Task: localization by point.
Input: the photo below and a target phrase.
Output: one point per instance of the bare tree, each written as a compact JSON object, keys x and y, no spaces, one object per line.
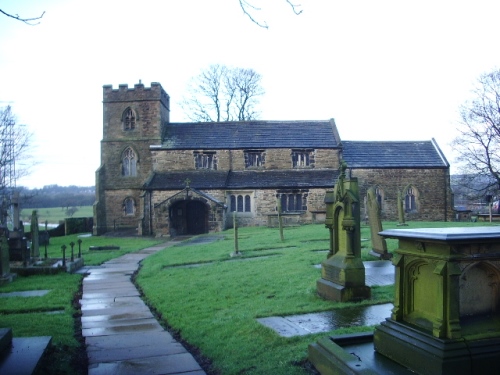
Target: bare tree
{"x":478,"y":142}
{"x":249,"y":9}
{"x":14,"y":146}
{"x":28,"y":21}
{"x":220,"y":93}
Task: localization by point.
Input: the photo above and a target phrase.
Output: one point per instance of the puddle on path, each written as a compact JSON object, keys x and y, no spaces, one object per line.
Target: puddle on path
{"x":306,"y":324}
{"x":27,"y":293}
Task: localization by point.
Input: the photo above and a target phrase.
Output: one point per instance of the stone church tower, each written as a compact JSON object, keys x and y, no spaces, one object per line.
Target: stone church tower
{"x":133,"y":119}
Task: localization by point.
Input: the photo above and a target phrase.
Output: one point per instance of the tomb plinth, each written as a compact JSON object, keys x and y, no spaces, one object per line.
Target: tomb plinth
{"x":343,"y":272}
{"x":446,"y":315}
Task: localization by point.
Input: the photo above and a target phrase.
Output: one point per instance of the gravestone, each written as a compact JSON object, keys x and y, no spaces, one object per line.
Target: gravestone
{"x":379,"y":245}
{"x":5,"y":275}
{"x":401,"y":211}
{"x":35,"y":247}
{"x":343,"y":272}
{"x":18,"y":244}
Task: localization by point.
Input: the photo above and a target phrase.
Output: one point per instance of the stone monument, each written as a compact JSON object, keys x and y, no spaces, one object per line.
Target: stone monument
{"x":379,"y":245}
{"x":343,"y":272}
{"x":446,"y":315}
{"x":35,"y":240}
{"x":5,"y":275}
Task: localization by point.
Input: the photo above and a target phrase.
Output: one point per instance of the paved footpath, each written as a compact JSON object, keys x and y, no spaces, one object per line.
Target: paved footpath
{"x":121,"y":334}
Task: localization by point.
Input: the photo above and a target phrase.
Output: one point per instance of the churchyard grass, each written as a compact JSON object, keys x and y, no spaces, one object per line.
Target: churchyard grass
{"x":96,"y":257}
{"x":49,"y":315}
{"x":214,"y":300}
{"x":54,"y":313}
{"x":213,"y":306}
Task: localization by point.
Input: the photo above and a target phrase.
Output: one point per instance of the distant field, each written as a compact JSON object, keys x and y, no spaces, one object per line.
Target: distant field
{"x":54,"y":215}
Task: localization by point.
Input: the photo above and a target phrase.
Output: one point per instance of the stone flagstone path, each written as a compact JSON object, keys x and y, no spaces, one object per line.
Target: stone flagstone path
{"x":121,"y":333}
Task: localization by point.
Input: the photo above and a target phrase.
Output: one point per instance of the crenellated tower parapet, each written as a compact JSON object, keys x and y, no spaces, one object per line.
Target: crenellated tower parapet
{"x":137,"y":93}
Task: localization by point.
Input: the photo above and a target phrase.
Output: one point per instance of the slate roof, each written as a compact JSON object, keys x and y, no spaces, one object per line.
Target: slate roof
{"x":393,"y":154}
{"x":250,"y":134}
{"x":273,"y":179}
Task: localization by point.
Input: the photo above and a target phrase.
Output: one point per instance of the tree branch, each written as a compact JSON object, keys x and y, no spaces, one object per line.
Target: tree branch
{"x":27,"y":21}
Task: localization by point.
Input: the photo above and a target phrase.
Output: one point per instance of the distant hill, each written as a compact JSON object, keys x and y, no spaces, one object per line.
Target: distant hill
{"x":57,"y":196}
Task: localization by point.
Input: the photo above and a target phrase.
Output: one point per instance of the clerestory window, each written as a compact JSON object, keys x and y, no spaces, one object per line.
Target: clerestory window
{"x":302,"y":158}
{"x":205,"y":160}
{"x":129,"y":163}
{"x":254,"y":158}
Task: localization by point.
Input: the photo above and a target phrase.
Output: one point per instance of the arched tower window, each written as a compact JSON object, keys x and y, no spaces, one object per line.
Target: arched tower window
{"x":129,"y":163}
{"x":129,"y":206}
{"x":129,"y":119}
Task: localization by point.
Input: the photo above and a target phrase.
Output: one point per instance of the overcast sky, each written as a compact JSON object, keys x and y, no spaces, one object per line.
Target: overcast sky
{"x":385,"y":70}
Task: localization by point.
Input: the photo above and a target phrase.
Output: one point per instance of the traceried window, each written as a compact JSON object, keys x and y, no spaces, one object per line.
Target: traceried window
{"x":129,"y":206}
{"x":302,"y":158}
{"x":240,"y":203}
{"x":129,"y":119}
{"x":293,"y":202}
{"x":411,"y":198}
{"x":129,"y":163}
{"x":205,"y":160}
{"x":254,"y":158}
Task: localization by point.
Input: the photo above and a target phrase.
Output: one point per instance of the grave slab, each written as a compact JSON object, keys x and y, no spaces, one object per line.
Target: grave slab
{"x":24,"y":355}
{"x":27,"y":293}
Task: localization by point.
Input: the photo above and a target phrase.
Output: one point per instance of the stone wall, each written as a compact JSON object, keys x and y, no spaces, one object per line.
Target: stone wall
{"x":181,"y":160}
{"x":434,"y":198}
{"x":264,"y":205}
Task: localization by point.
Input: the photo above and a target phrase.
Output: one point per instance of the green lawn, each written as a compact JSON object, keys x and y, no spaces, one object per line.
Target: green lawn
{"x":54,"y":313}
{"x":213,"y":306}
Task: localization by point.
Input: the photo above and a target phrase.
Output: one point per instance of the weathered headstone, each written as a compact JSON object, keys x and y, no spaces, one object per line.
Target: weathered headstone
{"x":35,"y":247}
{"x":5,"y":275}
{"x":18,"y":245}
{"x":343,"y":273}
{"x":401,"y":211}
{"x":379,"y":245}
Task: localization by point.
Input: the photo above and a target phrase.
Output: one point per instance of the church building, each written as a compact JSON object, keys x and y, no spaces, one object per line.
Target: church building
{"x":166,"y":179}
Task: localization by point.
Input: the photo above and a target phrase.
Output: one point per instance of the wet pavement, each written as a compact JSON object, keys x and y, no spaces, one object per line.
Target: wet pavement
{"x":121,"y":334}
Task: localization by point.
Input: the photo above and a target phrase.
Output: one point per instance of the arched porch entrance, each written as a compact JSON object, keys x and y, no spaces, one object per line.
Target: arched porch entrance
{"x":188,"y":217}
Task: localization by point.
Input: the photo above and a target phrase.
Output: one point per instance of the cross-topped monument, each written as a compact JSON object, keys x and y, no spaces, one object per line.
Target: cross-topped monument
{"x":343,"y":273}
